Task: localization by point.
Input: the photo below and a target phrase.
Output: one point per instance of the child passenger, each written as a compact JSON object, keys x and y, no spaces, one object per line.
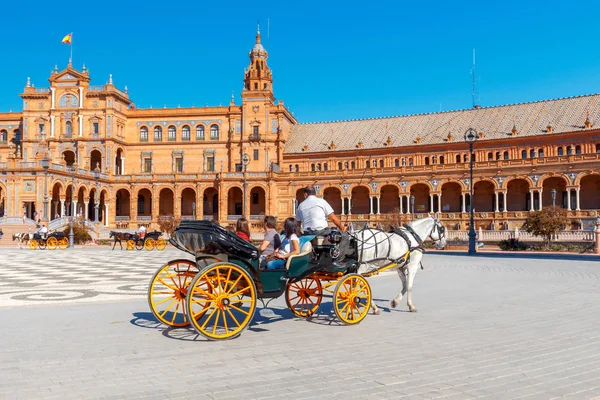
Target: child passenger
{"x":289,"y":246}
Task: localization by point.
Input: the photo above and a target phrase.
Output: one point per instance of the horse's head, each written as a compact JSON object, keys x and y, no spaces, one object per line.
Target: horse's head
{"x":438,"y":233}
{"x":112,"y":234}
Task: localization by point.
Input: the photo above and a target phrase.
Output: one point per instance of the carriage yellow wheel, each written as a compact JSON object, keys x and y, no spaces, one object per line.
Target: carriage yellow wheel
{"x":352,"y":299}
{"x":168,"y":290}
{"x":33,"y":244}
{"x":303,"y":297}
{"x":63,"y":243}
{"x":221,"y":301}
{"x":161,"y":244}
{"x":52,"y":243}
{"x":130,"y":245}
{"x":149,"y":244}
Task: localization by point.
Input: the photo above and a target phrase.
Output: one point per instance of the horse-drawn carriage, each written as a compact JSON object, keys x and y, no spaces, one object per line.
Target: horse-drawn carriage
{"x":50,"y":241}
{"x":149,"y":241}
{"x":217,"y":294}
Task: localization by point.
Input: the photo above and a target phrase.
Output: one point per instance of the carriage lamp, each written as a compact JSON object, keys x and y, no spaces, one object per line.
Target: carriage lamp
{"x":96,"y":205}
{"x":45,"y":163}
{"x":470,"y":137}
{"x":553,"y":192}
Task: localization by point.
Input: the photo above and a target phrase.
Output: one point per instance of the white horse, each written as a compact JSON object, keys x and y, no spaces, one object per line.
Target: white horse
{"x":22,"y":239}
{"x":374,"y":248}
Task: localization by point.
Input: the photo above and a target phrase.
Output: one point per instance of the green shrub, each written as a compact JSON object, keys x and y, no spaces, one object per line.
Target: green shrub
{"x":80,"y":232}
{"x":512,"y":245}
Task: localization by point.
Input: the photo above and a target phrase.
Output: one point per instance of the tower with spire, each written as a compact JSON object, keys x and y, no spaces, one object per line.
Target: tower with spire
{"x":258,"y":79}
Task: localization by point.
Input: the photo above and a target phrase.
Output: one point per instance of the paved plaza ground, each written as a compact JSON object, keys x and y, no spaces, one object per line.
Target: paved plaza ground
{"x":76,"y":325}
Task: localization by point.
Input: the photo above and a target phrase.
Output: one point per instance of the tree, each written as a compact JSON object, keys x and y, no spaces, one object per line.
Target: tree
{"x":80,"y":231}
{"x":393,"y":219}
{"x":547,"y":222}
{"x":168,"y":223}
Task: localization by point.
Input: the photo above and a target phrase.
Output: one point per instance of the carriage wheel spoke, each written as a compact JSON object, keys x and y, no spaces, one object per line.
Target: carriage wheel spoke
{"x":239,"y":292}
{"x":234,"y":284}
{"x":175,"y":313}
{"x":167,"y":285}
{"x":233,"y":317}
{"x":209,"y":317}
{"x":216,"y":321}
{"x":239,"y":309}
{"x":168,"y":308}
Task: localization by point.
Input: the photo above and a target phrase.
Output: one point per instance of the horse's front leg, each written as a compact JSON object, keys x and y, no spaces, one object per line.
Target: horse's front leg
{"x":413,"y":267}
{"x":402,"y":274}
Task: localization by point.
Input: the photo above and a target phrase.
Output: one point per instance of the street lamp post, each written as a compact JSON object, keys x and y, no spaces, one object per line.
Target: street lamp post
{"x":96,"y":205}
{"x":471,"y":137}
{"x":412,"y":207}
{"x":553,"y":192}
{"x":73,"y":211}
{"x":45,"y":163}
{"x":245,"y":162}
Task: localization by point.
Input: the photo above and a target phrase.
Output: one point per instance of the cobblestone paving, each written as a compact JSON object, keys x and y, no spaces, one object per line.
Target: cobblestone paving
{"x":493,"y":328}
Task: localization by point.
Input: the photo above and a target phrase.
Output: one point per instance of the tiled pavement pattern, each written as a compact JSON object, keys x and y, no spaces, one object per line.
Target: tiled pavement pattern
{"x":493,"y":328}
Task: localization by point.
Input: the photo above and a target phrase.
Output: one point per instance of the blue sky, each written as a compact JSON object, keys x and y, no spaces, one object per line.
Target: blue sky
{"x":331,"y":60}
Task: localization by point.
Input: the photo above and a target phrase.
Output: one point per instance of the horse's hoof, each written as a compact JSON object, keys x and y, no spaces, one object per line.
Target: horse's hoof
{"x":412,"y":309}
{"x":393,"y":304}
{"x":377,"y":312}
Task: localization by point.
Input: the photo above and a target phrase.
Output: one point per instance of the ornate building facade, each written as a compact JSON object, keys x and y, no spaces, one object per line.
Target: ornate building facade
{"x":126,"y":167}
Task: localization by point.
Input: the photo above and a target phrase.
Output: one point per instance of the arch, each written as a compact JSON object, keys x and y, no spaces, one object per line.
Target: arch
{"x":360,"y":200}
{"x":491,"y":181}
{"x":426,"y":183}
{"x":258,"y":201}
{"x":235,"y":205}
{"x":2,"y":201}
{"x":92,"y":205}
{"x":560,"y":151}
{"x":384,"y":184}
{"x":333,"y":195}
{"x":158,"y":133}
{"x":144,"y":202}
{"x":517,"y":194}
{"x":353,"y":165}
{"x":3,"y":136}
{"x":389,"y":200}
{"x":457,"y":159}
{"x":505,"y":155}
{"x":68,"y":101}
{"x":185,"y":133}
{"x":578,"y":149}
{"x":188,"y":202}
{"x":540,"y":153}
{"x":597,"y":147}
{"x":339,"y":166}
{"x":558,"y":183}
{"x":210,"y":203}
{"x":166,"y":202}
{"x":123,"y":203}
{"x":144,"y":134}
{"x":590,"y":192}
{"x":56,"y":209}
{"x":421,"y":192}
{"x":214,"y":132}
{"x":95,"y":160}
{"x":484,"y":198}
{"x":426,"y":160}
{"x":69,"y":128}
{"x":451,"y":197}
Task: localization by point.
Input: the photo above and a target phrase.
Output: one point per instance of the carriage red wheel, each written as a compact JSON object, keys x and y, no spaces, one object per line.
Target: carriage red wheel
{"x":303,"y":297}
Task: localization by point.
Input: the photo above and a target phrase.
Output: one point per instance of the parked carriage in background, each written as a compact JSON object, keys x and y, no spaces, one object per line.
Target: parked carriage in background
{"x":218,"y":292}
{"x":150,"y":241}
{"x":50,"y":241}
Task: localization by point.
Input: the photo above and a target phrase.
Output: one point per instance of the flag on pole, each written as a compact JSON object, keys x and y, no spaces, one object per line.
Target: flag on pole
{"x":67,"y":39}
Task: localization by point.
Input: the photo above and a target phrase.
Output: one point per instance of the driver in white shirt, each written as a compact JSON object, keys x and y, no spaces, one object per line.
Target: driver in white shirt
{"x":313,"y":212}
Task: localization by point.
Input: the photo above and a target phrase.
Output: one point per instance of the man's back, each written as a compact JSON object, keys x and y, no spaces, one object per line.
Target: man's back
{"x":313,"y":213}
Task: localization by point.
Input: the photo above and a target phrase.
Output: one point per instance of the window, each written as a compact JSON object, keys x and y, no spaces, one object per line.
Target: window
{"x":140,"y":204}
{"x":368,"y":164}
{"x":396,"y":162}
{"x":148,"y":164}
{"x":255,"y":130}
{"x":96,"y":128}
{"x":255,"y":155}
{"x":441,"y":159}
{"x":411,"y":162}
{"x":255,"y":86}
{"x":380,"y":163}
{"x":210,"y":164}
{"x":3,"y":136}
{"x":561,"y":152}
{"x":597,"y":147}
{"x":498,"y":156}
{"x":214,"y":132}
{"x":254,"y":198}
{"x":577,"y":149}
{"x":297,"y":168}
{"x":312,"y":167}
{"x":200,"y":132}
{"x":426,"y":160}
{"x":506,"y":155}
{"x":143,"y":134}
{"x":179,"y":164}
{"x":185,"y":133}
{"x":172,"y":133}
{"x":41,"y":126}
{"x":325,"y":167}
{"x":541,"y":153}
{"x":158,"y":134}
{"x":238,"y":167}
{"x":458,"y":158}
{"x":340,"y":166}
{"x":69,"y":128}
{"x":569,"y":150}
{"x":346,"y":165}
{"x":524,"y":154}
{"x":68,"y":100}
{"x":490,"y":157}
{"x":353,"y":165}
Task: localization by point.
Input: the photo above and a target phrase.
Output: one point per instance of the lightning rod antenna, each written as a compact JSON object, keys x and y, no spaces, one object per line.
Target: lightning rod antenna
{"x":473,"y":79}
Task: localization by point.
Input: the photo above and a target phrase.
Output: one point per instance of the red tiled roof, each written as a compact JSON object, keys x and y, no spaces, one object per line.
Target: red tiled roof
{"x":530,"y":119}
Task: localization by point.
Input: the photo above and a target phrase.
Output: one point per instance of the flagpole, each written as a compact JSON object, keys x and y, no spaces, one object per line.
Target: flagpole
{"x":71,"y":46}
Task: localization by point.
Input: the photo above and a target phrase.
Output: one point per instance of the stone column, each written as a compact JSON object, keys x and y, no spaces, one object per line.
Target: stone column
{"x":530,"y":199}
{"x":439,"y":196}
{"x":371,"y":205}
{"x":74,"y":208}
{"x":343,"y":206}
{"x":568,"y":199}
{"x":80,"y":97}
{"x":540,"y":198}
{"x":597,"y":237}
{"x":464,"y":202}
{"x":497,"y":205}
{"x":400,"y":208}
{"x":53,"y":101}
{"x":80,"y":118}
{"x":52,"y":126}
{"x":430,"y":203}
{"x":378,"y":204}
{"x":504,"y":206}
{"x":62,"y":207}
{"x":86,"y":203}
{"x":577,"y":199}
{"x":105,"y":214}
{"x":122,"y":165}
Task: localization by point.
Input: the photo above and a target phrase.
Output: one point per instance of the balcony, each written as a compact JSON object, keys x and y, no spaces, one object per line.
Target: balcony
{"x":254,"y":138}
{"x":121,"y":218}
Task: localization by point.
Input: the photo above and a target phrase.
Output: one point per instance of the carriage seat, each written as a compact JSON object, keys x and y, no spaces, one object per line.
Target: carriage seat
{"x":294,"y":264}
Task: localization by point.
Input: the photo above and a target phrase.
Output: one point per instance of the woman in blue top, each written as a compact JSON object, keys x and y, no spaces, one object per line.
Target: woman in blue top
{"x":289,"y":246}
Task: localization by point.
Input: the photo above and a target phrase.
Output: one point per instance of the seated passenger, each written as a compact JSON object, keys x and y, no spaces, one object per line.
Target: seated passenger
{"x":289,"y":246}
{"x":243,"y":229}
{"x":141,"y":231}
{"x":271,"y":241}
